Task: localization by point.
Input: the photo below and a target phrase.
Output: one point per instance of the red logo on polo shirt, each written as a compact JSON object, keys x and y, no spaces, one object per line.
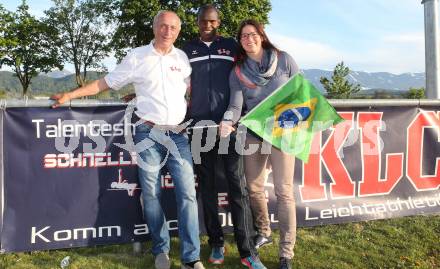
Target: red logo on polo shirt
{"x":224,"y":51}
{"x":175,"y":68}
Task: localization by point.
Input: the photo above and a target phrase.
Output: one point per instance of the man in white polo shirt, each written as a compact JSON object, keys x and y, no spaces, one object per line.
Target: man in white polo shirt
{"x":160,"y":75}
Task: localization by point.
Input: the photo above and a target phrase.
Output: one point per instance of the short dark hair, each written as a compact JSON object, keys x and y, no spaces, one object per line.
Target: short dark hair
{"x":205,"y":8}
{"x":265,"y":43}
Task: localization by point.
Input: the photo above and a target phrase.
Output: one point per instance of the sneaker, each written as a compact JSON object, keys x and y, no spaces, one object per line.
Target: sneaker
{"x":197,"y":265}
{"x":217,"y":255}
{"x":162,"y":261}
{"x":253,"y":262}
{"x":285,"y":263}
{"x":261,"y":240}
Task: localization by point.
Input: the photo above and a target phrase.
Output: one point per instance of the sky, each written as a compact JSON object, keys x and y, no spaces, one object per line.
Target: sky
{"x":368,"y":35}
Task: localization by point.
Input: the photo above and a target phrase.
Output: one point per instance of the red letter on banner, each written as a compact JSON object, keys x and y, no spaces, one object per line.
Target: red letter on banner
{"x":372,"y":184}
{"x":342,"y":186}
{"x":427,"y":119}
{"x":312,"y":189}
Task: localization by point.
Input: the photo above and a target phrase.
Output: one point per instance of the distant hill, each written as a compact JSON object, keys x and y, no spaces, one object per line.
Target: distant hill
{"x":63,"y":80}
{"x":377,"y":80}
{"x":57,"y":74}
{"x":43,"y":83}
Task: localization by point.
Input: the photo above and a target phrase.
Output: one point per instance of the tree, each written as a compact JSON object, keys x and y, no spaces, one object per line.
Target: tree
{"x":382,"y":94}
{"x":339,"y":87}
{"x":415,"y":93}
{"x":82,"y":33}
{"x":5,"y":22}
{"x":135,"y":19}
{"x":25,"y":46}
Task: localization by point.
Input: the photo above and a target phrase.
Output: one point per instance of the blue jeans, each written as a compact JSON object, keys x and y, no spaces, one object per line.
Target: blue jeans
{"x":157,"y":148}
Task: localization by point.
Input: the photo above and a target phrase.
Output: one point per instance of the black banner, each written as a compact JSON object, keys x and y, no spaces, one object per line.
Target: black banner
{"x":55,"y":199}
{"x":379,"y":163}
{"x":70,"y":176}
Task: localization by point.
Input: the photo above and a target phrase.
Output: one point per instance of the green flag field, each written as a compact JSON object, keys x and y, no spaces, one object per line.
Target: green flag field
{"x":290,"y":115}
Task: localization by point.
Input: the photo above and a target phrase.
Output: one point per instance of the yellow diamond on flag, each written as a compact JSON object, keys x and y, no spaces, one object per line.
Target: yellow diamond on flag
{"x":293,"y":117}
{"x":289,"y":116}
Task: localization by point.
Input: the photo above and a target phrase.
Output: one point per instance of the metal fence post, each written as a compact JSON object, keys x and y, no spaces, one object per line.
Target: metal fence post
{"x":137,"y":248}
{"x":431,"y":49}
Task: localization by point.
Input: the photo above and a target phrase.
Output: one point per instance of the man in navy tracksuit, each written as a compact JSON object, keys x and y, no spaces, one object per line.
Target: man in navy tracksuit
{"x":212,"y":57}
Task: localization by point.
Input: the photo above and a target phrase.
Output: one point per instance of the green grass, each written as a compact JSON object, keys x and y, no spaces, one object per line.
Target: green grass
{"x":411,"y":242}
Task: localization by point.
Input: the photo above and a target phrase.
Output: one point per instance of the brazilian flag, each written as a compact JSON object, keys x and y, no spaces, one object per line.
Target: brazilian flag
{"x":290,"y":115}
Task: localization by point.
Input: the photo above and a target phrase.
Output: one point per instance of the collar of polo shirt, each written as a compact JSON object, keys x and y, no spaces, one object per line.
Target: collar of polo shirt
{"x":172,"y":51}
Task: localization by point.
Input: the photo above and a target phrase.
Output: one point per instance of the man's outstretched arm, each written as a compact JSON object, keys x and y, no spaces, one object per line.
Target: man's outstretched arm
{"x":92,"y":88}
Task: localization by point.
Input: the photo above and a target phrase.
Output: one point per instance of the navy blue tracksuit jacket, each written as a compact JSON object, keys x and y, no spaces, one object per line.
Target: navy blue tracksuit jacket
{"x":210,"y":94}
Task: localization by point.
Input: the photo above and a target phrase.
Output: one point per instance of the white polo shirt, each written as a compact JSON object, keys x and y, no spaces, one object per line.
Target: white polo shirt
{"x":160,"y":82}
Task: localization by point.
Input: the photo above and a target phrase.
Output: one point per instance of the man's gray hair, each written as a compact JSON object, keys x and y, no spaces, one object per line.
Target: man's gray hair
{"x":162,"y":12}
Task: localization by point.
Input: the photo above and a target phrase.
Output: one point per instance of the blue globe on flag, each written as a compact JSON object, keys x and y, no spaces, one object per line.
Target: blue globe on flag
{"x":290,"y":118}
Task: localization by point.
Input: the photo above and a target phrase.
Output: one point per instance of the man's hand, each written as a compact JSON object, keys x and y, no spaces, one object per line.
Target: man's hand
{"x":92,"y":88}
{"x":128,"y":97}
{"x":226,"y":128}
{"x":60,"y":98}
